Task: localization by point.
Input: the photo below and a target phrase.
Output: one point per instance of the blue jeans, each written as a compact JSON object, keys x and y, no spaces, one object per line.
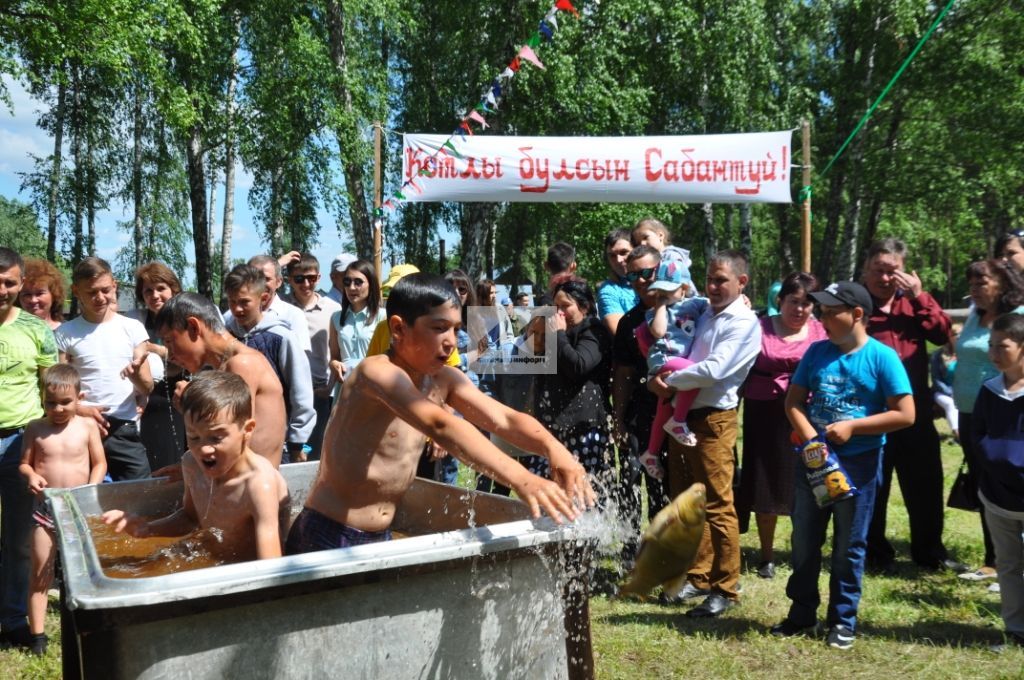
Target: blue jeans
{"x":15,"y":531}
{"x":852,"y":517}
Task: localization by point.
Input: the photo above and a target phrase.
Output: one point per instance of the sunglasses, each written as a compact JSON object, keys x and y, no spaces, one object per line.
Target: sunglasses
{"x":304,"y":278}
{"x":647,"y":273}
{"x":358,"y":283}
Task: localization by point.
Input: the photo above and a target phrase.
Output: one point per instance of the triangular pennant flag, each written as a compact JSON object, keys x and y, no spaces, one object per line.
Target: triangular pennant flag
{"x":507,"y":73}
{"x":566,"y":6}
{"x":465,"y":126}
{"x":534,"y":41}
{"x":550,"y":18}
{"x":528,"y":54}
{"x":473,"y":115}
{"x":378,"y":212}
{"x":491,"y":100}
{"x":546,"y":31}
{"x":387,"y":204}
{"x":460,"y":132}
{"x":451,"y":146}
{"x":415,"y":186}
{"x":515,"y":65}
{"x":496,"y":88}
{"x":481,"y":107}
{"x":424,"y":171}
{"x":399,"y":195}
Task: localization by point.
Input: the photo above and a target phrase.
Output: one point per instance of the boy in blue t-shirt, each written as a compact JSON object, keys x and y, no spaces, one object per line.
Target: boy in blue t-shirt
{"x":852,"y":389}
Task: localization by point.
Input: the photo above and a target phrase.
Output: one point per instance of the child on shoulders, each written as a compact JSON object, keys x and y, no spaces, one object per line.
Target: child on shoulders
{"x":230,"y":491}
{"x":61,"y":449}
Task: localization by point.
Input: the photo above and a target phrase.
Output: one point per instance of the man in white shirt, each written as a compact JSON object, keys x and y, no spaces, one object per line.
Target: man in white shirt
{"x":727,"y":340}
{"x":109,"y":351}
{"x":303,"y":275}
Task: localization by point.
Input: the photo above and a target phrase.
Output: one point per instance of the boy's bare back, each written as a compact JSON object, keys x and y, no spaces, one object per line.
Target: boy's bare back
{"x":267,"y":401}
{"x":255,"y":504}
{"x":60,"y":453}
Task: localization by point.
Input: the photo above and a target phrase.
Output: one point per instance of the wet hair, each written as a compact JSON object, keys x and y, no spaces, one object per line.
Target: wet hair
{"x":1011,"y":283}
{"x":736,"y":260}
{"x":561,"y":257}
{"x":651,"y":223}
{"x":416,"y":294}
{"x":245,"y":276}
{"x":457,"y":277}
{"x":643,"y":251}
{"x":10,"y":258}
{"x":522,"y":294}
{"x":1011,"y":325}
{"x":176,"y":312}
{"x":211,"y":392}
{"x":798,"y":282}
{"x":614,"y":236}
{"x":305,"y":263}
{"x":89,"y":269}
{"x":43,"y":273}
{"x":365,"y":268}
{"x":1005,"y":239}
{"x":155,"y":272}
{"x":887,"y":246}
{"x":61,"y":377}
{"x":577,"y":289}
{"x":259,"y":260}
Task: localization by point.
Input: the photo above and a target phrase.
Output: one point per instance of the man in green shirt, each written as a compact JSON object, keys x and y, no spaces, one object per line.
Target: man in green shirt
{"x":27,"y":347}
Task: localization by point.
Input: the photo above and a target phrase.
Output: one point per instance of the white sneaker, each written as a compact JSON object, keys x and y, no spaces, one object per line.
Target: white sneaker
{"x":680,"y":432}
{"x":994,"y":588}
{"x":979,"y":574}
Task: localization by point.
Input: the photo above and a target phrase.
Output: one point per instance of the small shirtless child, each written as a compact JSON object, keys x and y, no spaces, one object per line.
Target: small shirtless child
{"x":388,"y":406}
{"x":191,"y":328}
{"x":61,"y":449}
{"x":230,"y":491}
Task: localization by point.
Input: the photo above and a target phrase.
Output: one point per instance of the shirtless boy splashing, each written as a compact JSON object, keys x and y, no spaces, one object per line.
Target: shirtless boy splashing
{"x":392,"y":402}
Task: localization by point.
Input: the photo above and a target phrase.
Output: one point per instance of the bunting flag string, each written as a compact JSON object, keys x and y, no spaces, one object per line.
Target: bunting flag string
{"x":489,"y":98}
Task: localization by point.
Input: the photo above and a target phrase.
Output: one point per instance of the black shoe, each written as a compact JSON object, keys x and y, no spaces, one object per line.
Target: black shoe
{"x":39,"y":644}
{"x":712,"y":606}
{"x":16,"y":637}
{"x":689,"y":592}
{"x":840,"y":637}
{"x":1013,"y":640}
{"x":789,"y":629}
{"x":952,"y":565}
{"x":882,"y":568}
{"x":766,"y":570}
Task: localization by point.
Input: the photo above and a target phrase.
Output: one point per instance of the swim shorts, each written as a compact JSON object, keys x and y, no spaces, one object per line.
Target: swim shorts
{"x":313,"y":531}
{"x":41,"y":515}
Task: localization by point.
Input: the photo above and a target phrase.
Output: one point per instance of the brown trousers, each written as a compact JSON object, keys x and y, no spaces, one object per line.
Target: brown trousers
{"x":711,"y":463}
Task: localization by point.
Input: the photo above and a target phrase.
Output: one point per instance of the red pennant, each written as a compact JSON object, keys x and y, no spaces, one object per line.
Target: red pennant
{"x":566,"y":6}
{"x":515,"y":64}
{"x":465,"y":126}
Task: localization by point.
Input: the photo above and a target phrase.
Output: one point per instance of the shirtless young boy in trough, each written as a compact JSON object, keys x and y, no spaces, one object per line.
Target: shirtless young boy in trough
{"x":194,"y":334}
{"x":388,"y":406}
{"x":61,"y":449}
{"x":228,"y":488}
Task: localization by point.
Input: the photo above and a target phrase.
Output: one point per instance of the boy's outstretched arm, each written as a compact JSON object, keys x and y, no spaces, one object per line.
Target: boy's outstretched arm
{"x":523,"y":431}
{"x":393,"y":389}
{"x":180,"y":522}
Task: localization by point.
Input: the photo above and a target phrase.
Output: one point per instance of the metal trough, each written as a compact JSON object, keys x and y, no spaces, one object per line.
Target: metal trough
{"x":477,"y":591}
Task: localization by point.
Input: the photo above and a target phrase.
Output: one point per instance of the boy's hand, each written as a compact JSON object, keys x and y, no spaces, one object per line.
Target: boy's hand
{"x":839,"y":432}
{"x":541,"y":493}
{"x":123,"y":522}
{"x":568,"y":474}
{"x":172,"y":472}
{"x":179,"y":389}
{"x":36,"y":483}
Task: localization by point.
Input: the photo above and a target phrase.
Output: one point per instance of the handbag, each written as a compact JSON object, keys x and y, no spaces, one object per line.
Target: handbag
{"x":964,"y":493}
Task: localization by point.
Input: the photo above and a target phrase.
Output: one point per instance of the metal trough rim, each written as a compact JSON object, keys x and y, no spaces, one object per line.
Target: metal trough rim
{"x":90,"y":588}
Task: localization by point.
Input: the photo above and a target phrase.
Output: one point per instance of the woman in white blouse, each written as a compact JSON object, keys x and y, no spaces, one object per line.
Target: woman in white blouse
{"x":353,"y":326}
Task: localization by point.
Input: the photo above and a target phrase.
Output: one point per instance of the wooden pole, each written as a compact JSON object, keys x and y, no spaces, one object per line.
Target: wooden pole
{"x":805,"y":231}
{"x":442,"y":260}
{"x":377,"y":221}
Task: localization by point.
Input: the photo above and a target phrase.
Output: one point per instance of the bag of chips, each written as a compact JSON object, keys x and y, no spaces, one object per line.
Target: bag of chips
{"x":826,"y":476}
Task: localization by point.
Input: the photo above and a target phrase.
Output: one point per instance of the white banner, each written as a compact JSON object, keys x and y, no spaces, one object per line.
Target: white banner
{"x":739,"y":168}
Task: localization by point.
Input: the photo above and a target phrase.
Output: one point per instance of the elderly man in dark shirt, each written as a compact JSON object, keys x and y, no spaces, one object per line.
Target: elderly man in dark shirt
{"x":906,"y":318}
{"x":634,"y":404}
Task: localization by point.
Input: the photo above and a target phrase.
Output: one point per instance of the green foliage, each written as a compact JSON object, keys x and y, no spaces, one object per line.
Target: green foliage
{"x":19,"y":229}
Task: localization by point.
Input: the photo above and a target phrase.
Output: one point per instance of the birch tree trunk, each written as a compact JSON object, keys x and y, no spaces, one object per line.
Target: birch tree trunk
{"x":58,"y":142}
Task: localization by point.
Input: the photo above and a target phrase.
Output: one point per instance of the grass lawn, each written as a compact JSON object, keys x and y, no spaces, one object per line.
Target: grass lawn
{"x":913,"y":624}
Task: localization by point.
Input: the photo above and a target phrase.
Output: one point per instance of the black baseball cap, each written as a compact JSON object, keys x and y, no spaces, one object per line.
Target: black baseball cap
{"x":845,"y":293}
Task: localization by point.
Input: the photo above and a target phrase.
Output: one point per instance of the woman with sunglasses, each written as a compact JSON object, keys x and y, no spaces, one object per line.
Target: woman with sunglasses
{"x":353,"y":326}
